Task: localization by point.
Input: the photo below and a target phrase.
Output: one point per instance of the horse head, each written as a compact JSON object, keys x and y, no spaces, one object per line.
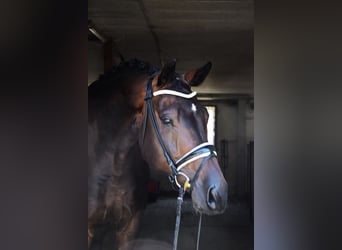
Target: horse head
{"x":173,"y":137}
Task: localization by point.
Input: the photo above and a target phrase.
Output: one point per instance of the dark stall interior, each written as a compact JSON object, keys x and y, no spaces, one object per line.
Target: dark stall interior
{"x":192,"y":32}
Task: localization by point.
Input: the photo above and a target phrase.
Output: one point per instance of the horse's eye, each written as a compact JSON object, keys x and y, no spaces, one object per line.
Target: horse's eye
{"x":166,"y":120}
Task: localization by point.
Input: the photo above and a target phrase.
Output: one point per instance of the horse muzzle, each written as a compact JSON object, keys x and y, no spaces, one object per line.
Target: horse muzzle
{"x":210,"y":190}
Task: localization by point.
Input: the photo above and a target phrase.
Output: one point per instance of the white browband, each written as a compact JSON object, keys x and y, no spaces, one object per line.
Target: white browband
{"x":173,"y":92}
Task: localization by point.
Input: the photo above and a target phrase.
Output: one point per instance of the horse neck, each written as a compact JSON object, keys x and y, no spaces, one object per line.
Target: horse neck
{"x":119,"y":117}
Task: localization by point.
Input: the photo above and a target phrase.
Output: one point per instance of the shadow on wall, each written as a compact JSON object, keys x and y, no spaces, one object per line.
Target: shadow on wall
{"x":147,"y":245}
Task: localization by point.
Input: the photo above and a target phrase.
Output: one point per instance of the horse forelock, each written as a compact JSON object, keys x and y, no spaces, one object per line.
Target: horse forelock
{"x":177,"y":83}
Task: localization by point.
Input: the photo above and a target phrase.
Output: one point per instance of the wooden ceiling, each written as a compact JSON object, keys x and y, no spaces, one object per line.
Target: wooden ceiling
{"x":193,"y":32}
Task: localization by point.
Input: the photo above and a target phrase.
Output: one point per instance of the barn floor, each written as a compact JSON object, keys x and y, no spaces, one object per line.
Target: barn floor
{"x":232,"y":230}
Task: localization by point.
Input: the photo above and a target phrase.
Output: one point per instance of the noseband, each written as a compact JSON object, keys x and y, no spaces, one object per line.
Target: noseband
{"x":204,"y":150}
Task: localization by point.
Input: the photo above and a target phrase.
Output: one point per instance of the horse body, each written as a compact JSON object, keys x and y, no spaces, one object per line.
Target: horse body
{"x":123,"y":150}
{"x":118,"y":175}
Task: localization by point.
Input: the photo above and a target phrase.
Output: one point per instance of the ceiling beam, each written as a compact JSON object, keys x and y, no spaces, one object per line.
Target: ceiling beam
{"x":96,"y":32}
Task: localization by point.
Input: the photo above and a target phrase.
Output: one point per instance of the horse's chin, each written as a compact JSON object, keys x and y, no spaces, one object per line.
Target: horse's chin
{"x":201,"y":207}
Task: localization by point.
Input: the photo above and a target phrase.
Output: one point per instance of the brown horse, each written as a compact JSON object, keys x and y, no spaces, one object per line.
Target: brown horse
{"x":145,"y":122}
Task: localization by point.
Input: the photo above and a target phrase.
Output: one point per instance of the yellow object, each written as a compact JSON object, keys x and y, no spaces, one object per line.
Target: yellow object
{"x":187,"y":185}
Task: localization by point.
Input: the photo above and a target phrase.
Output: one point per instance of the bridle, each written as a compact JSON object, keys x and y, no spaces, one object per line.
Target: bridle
{"x":204,"y":150}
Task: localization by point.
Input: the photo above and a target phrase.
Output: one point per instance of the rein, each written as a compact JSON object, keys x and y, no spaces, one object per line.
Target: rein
{"x":204,"y":150}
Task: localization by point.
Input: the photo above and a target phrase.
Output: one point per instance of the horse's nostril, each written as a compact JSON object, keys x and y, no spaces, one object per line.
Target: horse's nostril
{"x":211,"y":198}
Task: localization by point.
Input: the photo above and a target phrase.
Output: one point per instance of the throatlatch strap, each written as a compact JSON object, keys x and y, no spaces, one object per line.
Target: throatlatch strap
{"x":144,"y":125}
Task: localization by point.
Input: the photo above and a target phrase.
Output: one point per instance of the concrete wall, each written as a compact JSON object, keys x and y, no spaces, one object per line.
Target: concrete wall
{"x":227,"y":129}
{"x":236,"y":128}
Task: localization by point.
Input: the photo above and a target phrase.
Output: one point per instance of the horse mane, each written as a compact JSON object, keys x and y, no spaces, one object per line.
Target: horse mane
{"x":114,"y":78}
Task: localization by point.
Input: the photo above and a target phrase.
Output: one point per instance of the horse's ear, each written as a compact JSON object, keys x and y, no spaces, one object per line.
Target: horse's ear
{"x":167,"y":72}
{"x":196,"y":77}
